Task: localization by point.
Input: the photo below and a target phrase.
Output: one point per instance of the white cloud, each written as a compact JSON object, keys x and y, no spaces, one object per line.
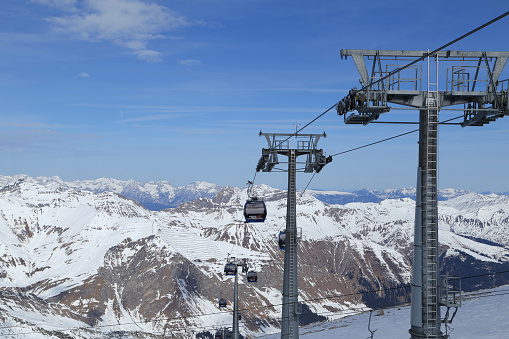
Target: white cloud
{"x":148,"y":55}
{"x":131,"y":24}
{"x":158,"y":117}
{"x":83,"y":75}
{"x":189,"y":62}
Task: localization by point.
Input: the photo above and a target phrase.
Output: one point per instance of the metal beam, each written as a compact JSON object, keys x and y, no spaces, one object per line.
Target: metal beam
{"x":418,"y":54}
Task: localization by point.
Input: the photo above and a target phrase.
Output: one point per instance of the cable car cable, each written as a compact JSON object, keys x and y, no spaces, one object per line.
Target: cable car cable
{"x":387,"y":139}
{"x":308,"y":184}
{"x":397,"y":70}
{"x":309,"y":123}
{"x":265,"y":306}
{"x":374,"y":143}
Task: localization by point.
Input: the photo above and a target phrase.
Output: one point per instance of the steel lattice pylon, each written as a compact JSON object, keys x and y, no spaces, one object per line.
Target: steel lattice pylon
{"x":315,"y":161}
{"x":474,"y":83}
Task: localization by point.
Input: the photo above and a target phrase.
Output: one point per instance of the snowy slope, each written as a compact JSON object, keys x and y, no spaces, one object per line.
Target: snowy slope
{"x":49,"y":234}
{"x":100,"y":259}
{"x":482,"y":315}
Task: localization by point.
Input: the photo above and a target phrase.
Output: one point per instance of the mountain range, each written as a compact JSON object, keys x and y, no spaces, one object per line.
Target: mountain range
{"x":158,"y":195}
{"x":154,"y":195}
{"x":87,"y":259}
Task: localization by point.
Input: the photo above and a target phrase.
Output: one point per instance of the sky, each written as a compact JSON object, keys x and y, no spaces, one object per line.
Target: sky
{"x":179,"y":90}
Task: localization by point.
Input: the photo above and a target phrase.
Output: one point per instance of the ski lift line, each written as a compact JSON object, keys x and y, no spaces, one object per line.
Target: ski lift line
{"x":251,"y":183}
{"x":356,"y":309}
{"x":443,"y":109}
{"x":376,"y":142}
{"x":346,"y":311}
{"x":233,"y":245}
{"x":484,"y":275}
{"x":266,"y":306}
{"x":308,"y":184}
{"x":397,"y":70}
{"x":306,"y":125}
{"x":393,"y":137}
{"x":337,"y":296}
{"x":270,"y":305}
{"x":343,"y":295}
{"x":484,"y":295}
{"x":343,"y":312}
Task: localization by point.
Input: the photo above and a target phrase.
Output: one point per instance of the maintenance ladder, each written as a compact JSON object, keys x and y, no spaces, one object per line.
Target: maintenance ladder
{"x":431,"y":298}
{"x":291,"y":247}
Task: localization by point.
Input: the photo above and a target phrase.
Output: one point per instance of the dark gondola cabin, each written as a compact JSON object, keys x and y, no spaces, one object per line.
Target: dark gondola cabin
{"x":252,"y":276}
{"x":240,"y":316}
{"x":222,"y":303}
{"x":282,"y":240}
{"x":230,"y":269}
{"x":218,"y":335}
{"x":255,"y":211}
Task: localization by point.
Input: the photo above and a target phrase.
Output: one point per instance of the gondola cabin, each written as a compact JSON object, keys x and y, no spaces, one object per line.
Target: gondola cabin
{"x":282,"y":240}
{"x":222,"y":303}
{"x":240,"y":316}
{"x":230,"y":269}
{"x":218,"y":335}
{"x":252,"y":276}
{"x":255,"y":211}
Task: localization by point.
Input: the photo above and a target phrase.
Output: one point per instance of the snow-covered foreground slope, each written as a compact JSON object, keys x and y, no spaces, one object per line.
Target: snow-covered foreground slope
{"x":483,"y":315}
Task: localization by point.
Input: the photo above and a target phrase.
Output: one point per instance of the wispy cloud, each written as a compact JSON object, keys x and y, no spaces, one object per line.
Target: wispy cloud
{"x":131,"y":24}
{"x":156,"y":117}
{"x":194,"y":130}
{"x":83,"y":75}
{"x":206,"y":109}
{"x":44,"y":141}
{"x":189,"y":62}
{"x":35,"y":125}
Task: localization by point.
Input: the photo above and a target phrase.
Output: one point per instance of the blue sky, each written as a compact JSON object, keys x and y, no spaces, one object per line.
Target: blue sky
{"x":178,"y":90}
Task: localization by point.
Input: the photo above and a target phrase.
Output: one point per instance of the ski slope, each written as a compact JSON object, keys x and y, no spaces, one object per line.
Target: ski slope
{"x":483,"y":315}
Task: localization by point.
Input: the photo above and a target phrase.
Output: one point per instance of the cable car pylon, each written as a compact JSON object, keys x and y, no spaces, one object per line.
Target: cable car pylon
{"x":471,"y":81}
{"x":231,"y":268}
{"x":315,"y":161}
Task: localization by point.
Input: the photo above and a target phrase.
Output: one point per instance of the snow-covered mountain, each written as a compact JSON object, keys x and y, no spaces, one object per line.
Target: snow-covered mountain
{"x":154,"y":195}
{"x":370,"y":195}
{"x":158,"y":195}
{"x":86,"y":264}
